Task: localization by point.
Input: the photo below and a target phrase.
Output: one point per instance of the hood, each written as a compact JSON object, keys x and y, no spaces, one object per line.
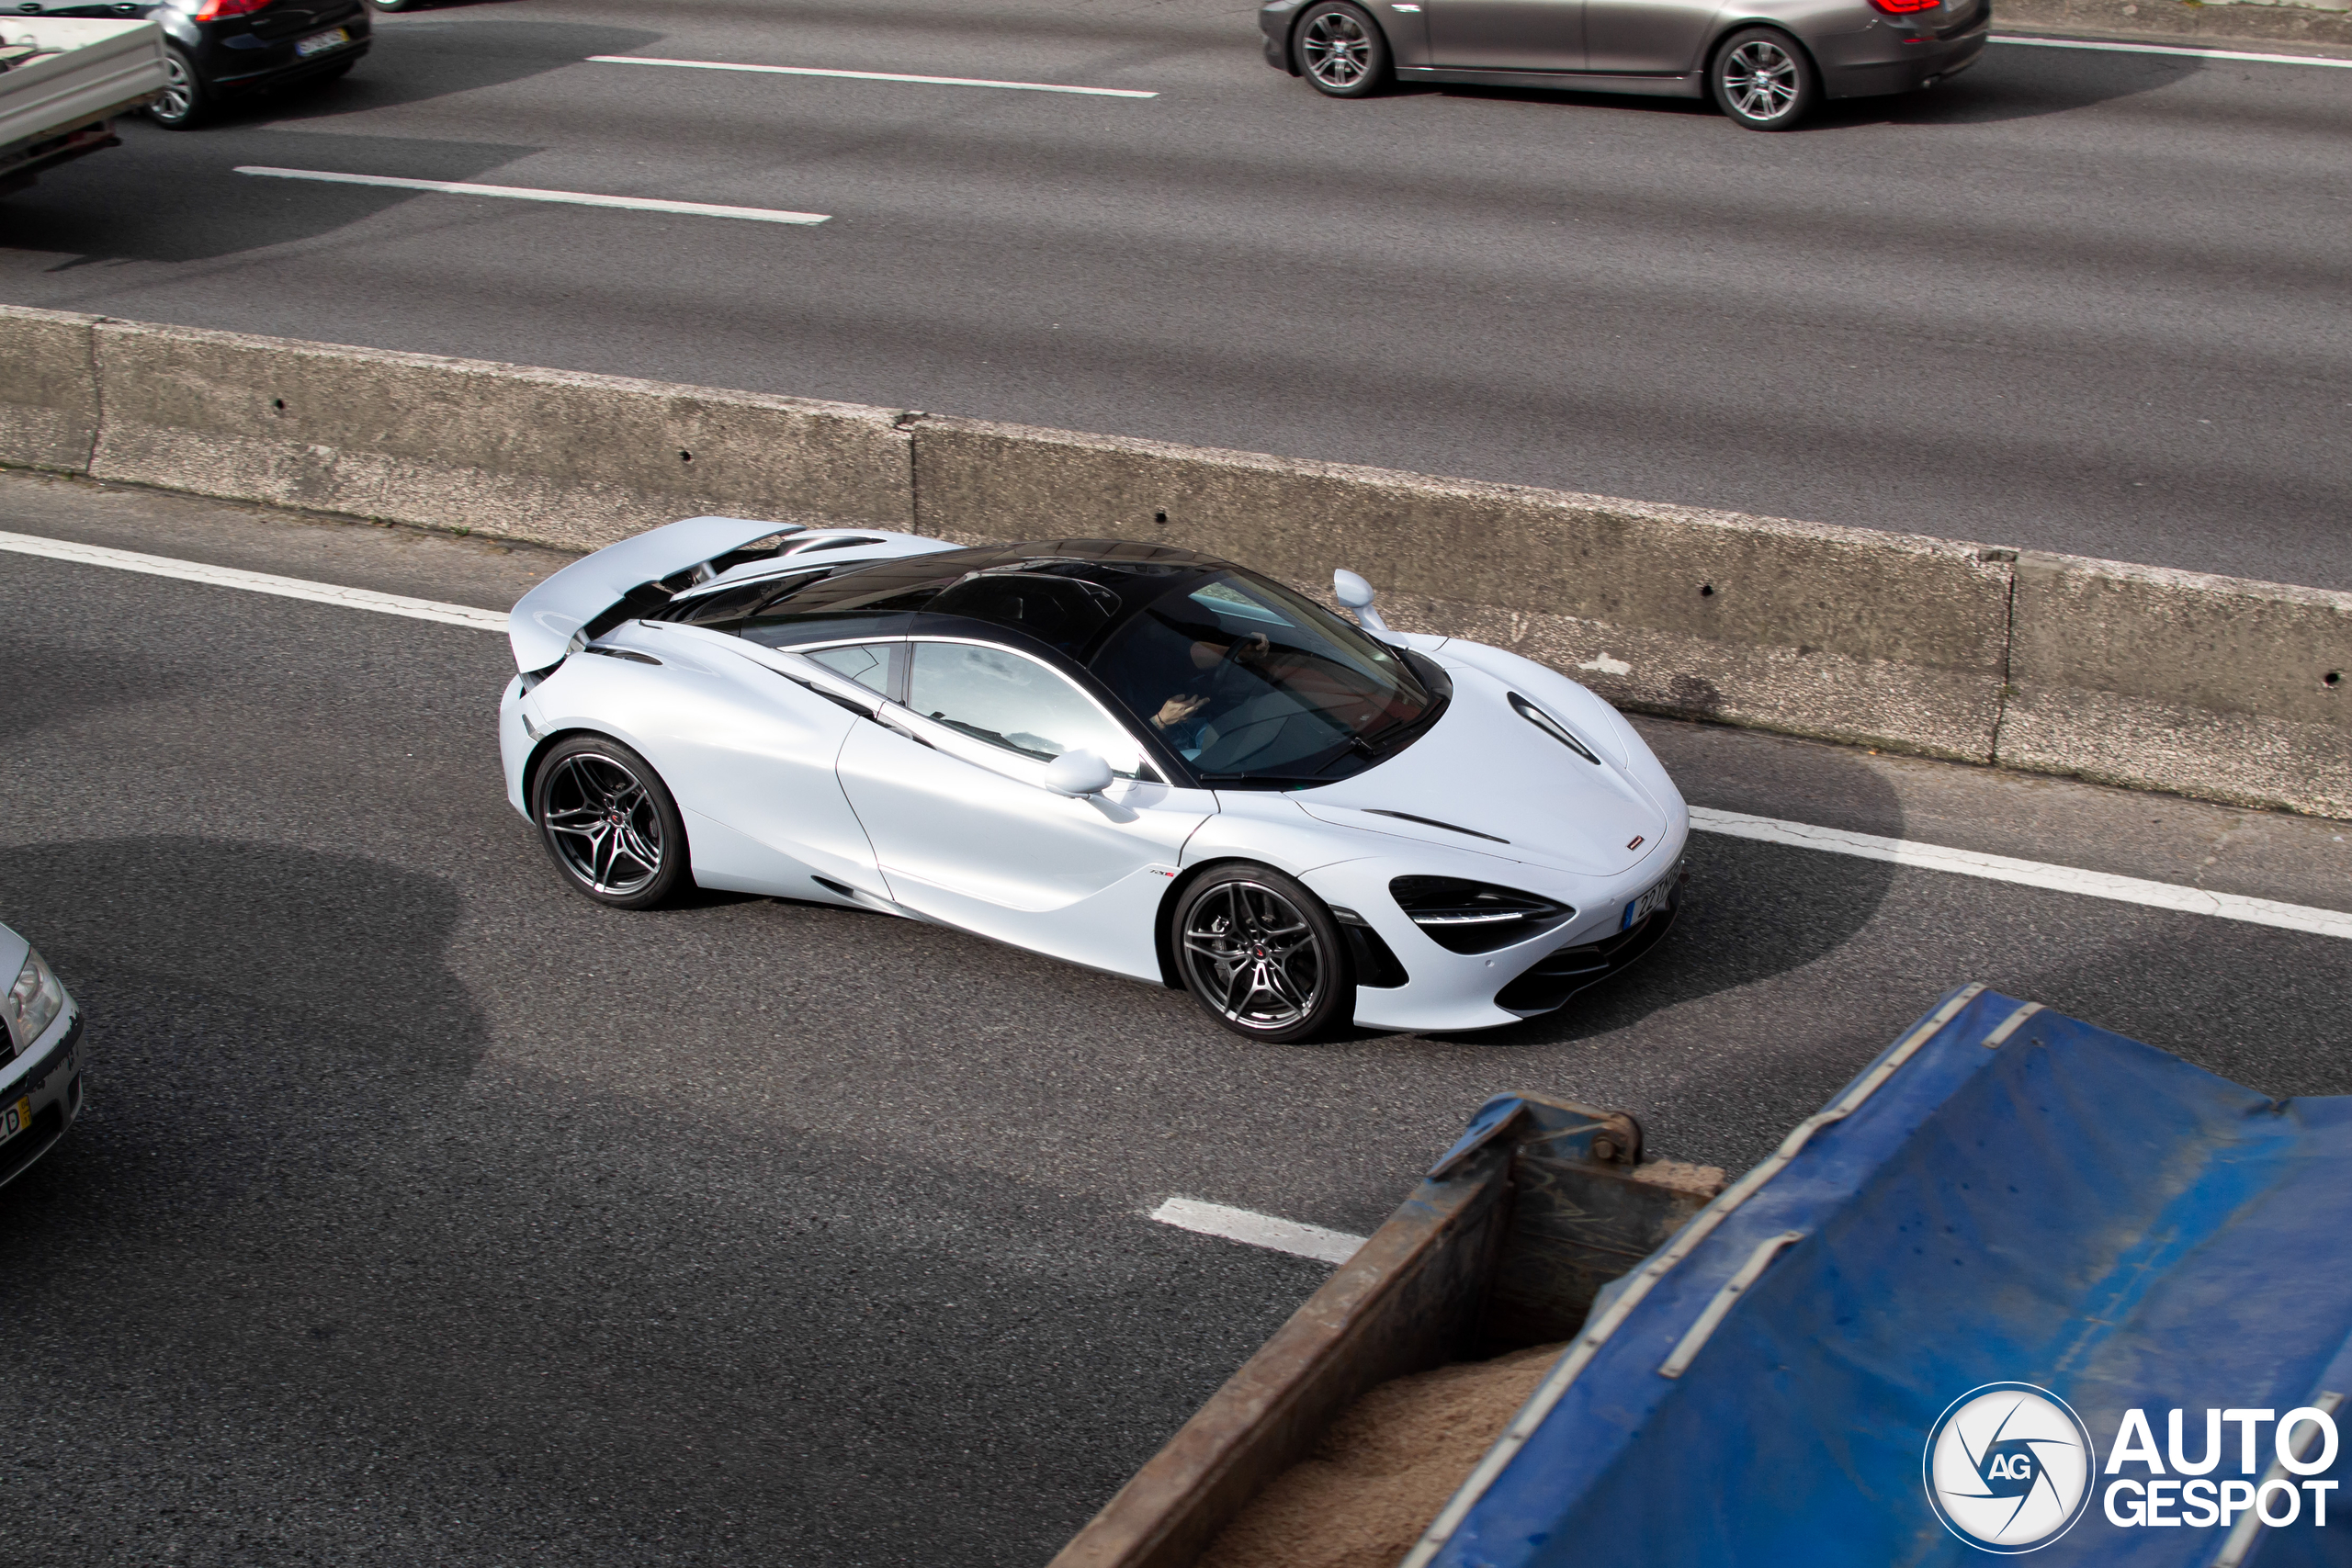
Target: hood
{"x":545,"y":620}
{"x":1525,"y":795}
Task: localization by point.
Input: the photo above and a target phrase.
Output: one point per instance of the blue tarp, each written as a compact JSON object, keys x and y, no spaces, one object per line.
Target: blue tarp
{"x":2067,"y":1209}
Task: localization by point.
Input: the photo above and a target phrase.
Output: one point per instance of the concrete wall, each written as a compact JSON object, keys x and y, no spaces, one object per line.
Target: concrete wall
{"x":48,"y":390}
{"x":547,"y":455}
{"x":1836,"y":632}
{"x":2205,"y":685}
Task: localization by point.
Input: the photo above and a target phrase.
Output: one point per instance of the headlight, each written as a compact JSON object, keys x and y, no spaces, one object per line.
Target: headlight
{"x":1472,"y":916}
{"x":34,"y":1001}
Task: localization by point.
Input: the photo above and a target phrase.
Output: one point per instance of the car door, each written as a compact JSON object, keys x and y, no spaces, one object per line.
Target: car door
{"x":1507,"y":35}
{"x":951,"y":791}
{"x":1649,"y":36}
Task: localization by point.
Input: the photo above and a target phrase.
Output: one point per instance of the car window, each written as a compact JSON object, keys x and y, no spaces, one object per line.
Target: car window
{"x":1246,"y":679}
{"x":867,"y":663}
{"x":1012,"y":701}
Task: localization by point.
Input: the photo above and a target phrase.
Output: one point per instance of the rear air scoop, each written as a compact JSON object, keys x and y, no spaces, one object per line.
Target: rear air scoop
{"x":544,"y":621}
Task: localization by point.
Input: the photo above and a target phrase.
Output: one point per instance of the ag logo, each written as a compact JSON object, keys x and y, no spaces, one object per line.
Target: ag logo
{"x":2008,"y":1467}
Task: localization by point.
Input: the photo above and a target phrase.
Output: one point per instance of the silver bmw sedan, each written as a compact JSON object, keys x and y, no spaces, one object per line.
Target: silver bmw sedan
{"x":1765,"y":62}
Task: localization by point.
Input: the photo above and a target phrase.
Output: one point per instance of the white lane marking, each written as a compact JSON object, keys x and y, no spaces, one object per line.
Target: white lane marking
{"x":2170,"y":49}
{"x":1706,"y":820}
{"x":257,"y":582}
{"x":871,"y":76}
{"x":526,"y":193}
{"x":2027,"y":873}
{"x":1259,"y":1230}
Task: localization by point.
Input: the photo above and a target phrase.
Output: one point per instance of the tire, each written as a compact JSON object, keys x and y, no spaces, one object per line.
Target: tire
{"x":1763,"y":79}
{"x":1340,"y":50}
{"x":609,"y":824}
{"x":185,"y":103}
{"x":1261,"y":954}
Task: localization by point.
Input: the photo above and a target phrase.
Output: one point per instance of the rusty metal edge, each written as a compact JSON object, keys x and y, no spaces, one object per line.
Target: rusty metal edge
{"x":1342,"y":1341}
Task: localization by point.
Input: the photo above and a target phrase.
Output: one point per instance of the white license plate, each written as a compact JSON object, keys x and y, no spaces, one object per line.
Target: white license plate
{"x":1652,"y":900}
{"x":318,"y":43}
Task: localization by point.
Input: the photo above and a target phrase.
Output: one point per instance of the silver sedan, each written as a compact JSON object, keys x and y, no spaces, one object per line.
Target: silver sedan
{"x":1765,"y":62}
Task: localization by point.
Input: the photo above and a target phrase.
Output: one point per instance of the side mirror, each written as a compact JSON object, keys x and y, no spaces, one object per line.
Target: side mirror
{"x":1078,"y":773}
{"x":1355,"y":594}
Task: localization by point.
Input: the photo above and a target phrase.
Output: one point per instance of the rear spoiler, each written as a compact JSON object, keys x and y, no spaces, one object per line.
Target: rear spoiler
{"x":638,"y":576}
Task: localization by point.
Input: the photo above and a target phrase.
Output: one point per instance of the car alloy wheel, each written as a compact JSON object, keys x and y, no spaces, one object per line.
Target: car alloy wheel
{"x":1762,"y":80}
{"x":1261,"y":954}
{"x":609,"y":823}
{"x":181,"y":103}
{"x":1342,"y":51}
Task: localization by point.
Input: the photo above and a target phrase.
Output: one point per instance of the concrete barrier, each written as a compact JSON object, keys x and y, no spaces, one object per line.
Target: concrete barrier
{"x":1840,"y":633}
{"x":48,"y":397}
{"x":2133,"y":675}
{"x":2207,"y":685}
{"x":553,"y":456}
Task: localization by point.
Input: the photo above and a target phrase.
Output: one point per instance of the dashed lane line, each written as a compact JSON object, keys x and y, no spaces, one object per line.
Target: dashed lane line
{"x":871,"y":76}
{"x":1254,"y":1229}
{"x":2169,"y":49}
{"x":1706,"y":820}
{"x":529,"y":193}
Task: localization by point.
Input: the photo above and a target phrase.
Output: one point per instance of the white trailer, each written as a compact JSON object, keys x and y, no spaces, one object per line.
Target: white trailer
{"x":62,"y":81}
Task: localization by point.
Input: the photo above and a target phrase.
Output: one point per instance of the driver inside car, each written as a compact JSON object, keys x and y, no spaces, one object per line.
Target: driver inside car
{"x":1224,"y":673}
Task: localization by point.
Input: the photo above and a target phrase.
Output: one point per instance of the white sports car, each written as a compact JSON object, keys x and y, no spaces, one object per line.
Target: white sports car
{"x":1144,"y":760}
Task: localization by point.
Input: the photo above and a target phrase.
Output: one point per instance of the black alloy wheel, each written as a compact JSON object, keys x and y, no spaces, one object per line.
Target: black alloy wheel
{"x":1762,"y":78}
{"x":1339,"y":49}
{"x":1263,"y":954}
{"x":608,"y":821}
{"x":184,"y":102}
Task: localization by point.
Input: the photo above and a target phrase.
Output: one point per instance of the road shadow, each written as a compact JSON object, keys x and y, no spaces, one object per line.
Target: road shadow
{"x":48,"y":683}
{"x":413,"y":60}
{"x":338,"y":958}
{"x":183,"y":204}
{"x":1751,"y":911}
{"x":2008,"y":83}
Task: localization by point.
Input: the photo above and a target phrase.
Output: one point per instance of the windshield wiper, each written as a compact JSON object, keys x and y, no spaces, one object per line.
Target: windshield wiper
{"x":1259,"y":778}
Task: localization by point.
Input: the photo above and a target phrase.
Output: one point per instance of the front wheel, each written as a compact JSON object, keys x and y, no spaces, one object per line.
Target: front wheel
{"x":1339,"y":49}
{"x":609,"y":823}
{"x":1263,"y":954}
{"x":1763,"y":80}
{"x":184,"y":102}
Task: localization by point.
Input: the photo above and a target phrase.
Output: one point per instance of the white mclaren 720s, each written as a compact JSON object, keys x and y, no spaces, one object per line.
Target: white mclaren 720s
{"x":1139,"y":759}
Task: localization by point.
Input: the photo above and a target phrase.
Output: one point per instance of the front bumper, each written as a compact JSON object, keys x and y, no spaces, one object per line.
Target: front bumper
{"x":41,"y":1094}
{"x":1448,"y":991}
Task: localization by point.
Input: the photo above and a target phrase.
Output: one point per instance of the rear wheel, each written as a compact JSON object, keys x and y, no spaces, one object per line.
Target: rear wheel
{"x":609,"y":823}
{"x":1762,"y":79}
{"x":1263,"y":954}
{"x":184,"y":101}
{"x":1339,"y":50}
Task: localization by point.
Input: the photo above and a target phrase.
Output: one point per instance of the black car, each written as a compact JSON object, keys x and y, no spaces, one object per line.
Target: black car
{"x":217,"y":49}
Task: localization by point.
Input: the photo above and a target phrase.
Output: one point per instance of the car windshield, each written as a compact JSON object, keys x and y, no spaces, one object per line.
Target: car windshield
{"x":1251,"y":682}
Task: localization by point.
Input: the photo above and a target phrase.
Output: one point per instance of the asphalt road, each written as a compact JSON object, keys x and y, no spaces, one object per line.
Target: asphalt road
{"x":2090,"y":302}
{"x":425,"y":1213}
